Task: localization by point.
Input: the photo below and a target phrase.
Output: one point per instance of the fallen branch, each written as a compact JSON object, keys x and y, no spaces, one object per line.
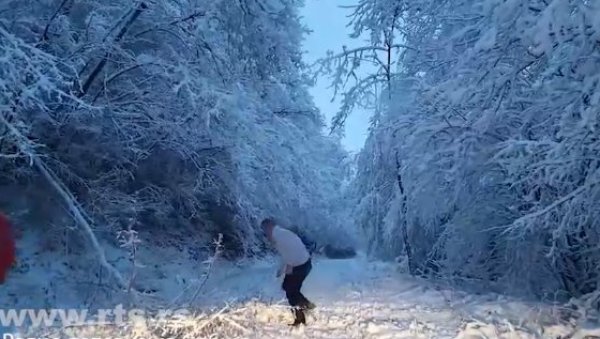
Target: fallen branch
{"x":70,"y":200}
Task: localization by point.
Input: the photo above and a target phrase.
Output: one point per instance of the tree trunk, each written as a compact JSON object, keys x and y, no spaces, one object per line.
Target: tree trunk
{"x":404,"y":227}
{"x":96,"y":71}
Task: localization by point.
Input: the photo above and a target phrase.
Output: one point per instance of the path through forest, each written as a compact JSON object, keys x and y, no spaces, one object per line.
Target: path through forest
{"x":361,"y":299}
{"x":356,"y":298}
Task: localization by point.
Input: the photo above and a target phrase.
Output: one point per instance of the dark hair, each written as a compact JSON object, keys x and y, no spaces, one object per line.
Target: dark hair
{"x":267,"y":221}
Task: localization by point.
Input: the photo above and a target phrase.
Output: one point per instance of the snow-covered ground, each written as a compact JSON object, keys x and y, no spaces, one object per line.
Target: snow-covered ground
{"x":361,"y":299}
{"x":356,"y":298}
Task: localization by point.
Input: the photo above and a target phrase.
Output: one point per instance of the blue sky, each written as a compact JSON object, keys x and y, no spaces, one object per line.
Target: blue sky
{"x":328,"y":22}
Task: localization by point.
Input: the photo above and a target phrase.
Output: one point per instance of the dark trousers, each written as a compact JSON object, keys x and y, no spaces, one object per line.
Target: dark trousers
{"x":292,"y":283}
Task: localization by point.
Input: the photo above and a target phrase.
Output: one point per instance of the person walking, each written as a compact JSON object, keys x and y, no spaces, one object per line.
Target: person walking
{"x":295,"y":264}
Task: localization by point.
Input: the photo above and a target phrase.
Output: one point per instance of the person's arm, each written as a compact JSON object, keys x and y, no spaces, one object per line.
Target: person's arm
{"x":285,"y":269}
{"x":281,"y":269}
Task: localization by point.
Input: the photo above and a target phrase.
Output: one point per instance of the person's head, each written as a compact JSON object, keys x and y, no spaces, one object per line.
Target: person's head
{"x":267,"y":225}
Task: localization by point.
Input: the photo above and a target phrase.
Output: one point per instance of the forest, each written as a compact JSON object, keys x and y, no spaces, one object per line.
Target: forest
{"x":482,"y":160}
{"x":160,"y":123}
{"x":144,"y":126}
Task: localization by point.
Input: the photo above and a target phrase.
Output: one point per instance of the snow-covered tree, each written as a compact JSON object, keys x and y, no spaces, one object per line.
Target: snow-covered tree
{"x":484,"y":160}
{"x":190,"y":117}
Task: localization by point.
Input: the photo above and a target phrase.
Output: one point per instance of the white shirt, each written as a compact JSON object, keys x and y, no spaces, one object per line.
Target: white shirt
{"x":290,"y":247}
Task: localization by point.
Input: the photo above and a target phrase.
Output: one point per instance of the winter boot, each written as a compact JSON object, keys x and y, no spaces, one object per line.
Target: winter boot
{"x":299,"y":317}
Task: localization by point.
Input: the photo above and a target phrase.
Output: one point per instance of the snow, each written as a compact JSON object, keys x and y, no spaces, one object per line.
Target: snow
{"x":499,"y":177}
{"x":359,"y":298}
{"x":487,"y":40}
{"x":356,"y":298}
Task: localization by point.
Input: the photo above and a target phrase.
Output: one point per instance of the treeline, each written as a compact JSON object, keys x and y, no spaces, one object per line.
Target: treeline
{"x":181,"y":119}
{"x":483,"y":158}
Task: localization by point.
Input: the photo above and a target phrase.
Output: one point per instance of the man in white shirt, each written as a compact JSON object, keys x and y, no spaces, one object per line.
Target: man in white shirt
{"x":296,"y":264}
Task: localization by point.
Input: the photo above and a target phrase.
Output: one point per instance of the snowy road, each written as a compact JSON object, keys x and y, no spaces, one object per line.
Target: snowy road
{"x":358,"y":299}
{"x":355,"y":299}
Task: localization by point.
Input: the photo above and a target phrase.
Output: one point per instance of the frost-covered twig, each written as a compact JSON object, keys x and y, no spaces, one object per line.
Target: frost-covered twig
{"x":129,"y":240}
{"x":210,"y":262}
